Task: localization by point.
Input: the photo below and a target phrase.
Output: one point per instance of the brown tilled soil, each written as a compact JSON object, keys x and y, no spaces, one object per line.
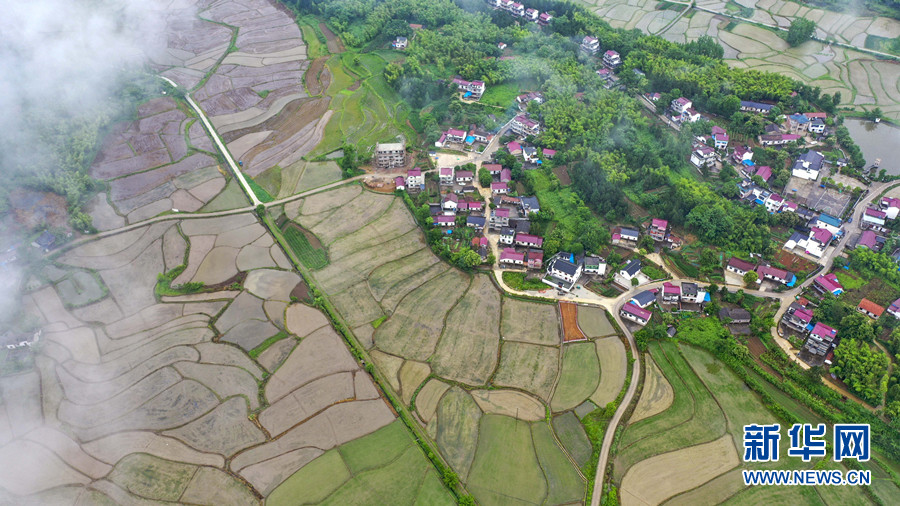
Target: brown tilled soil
{"x":295,"y":115}
{"x":793,"y":262}
{"x":33,"y":208}
{"x":317,"y":76}
{"x":335,"y":45}
{"x":569,"y":312}
{"x":563,"y":174}
{"x":757,"y":348}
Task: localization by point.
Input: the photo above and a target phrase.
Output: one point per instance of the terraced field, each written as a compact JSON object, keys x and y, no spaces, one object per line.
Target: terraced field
{"x":863,"y":80}
{"x":439,"y":328}
{"x":216,"y":396}
{"x":687,"y":436}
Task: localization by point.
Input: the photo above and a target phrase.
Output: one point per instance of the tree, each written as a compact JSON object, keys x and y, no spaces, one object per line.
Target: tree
{"x":801,"y":30}
{"x":646,"y":243}
{"x":856,"y":326}
{"x":750,"y":279}
{"x":484,"y":177}
{"x":466,"y":259}
{"x":863,"y":369}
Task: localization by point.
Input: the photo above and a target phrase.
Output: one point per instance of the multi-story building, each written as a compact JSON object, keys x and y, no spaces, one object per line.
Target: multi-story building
{"x":390,"y":155}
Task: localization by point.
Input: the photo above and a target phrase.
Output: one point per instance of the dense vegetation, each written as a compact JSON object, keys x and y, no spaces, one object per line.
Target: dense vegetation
{"x":56,"y":152}
{"x":801,"y":30}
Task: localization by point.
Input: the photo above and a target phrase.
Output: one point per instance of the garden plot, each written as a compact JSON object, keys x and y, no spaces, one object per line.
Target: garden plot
{"x":529,"y":367}
{"x":613,"y":367}
{"x":593,"y":322}
{"x":579,"y":378}
{"x":657,"y":394}
{"x":457,"y":429}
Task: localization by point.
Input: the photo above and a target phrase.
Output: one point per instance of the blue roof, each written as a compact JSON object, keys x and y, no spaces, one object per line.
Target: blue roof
{"x":809,"y":326}
{"x":470,"y":139}
{"x":749,"y":163}
{"x":467,"y":94}
{"x":793,"y":280}
{"x":706,"y":297}
{"x":799,"y":118}
{"x":831,"y":220}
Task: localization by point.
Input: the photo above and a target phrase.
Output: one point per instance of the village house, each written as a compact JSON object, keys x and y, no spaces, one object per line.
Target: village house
{"x":500,"y":217}
{"x":658,"y":229}
{"x":529,"y":205}
{"x":514,"y":149}
{"x":594,"y":265}
{"x":890,"y":206}
{"x":808,"y":165}
{"x":703,"y":156}
{"x":691,"y":293}
{"x":828,"y":283}
{"x":764,"y":172}
{"x":525,"y":98}
{"x":390,"y":155}
{"x":738,"y":266}
{"x":545,"y":18}
{"x":829,"y":223}
{"x":548,"y":153}
{"x":510,"y":256}
{"x":777,"y":139}
{"x":870,"y":240}
{"x":894,"y":309}
{"x":531,"y":14}
{"x":523,"y":125}
{"x":767,"y":272}
{"x":690,"y":116}
{"x":680,"y":105}
{"x":816,"y":126}
{"x":446,"y":175}
{"x":535,"y":259}
{"x":451,"y":136}
{"x":480,"y":135}
{"x":498,"y":188}
{"x":742,"y":155}
{"x":464,"y":176}
{"x":797,"y":123}
{"x":443,"y":220}
{"x":507,"y":235}
{"x":631,"y":270}
{"x":415,"y":179}
{"x":470,"y":89}
{"x":757,"y":107}
{"x":821,"y":340}
{"x":493,"y":168}
{"x":529,"y":154}
{"x":671,"y":293}
{"x":819,"y":239}
{"x":528,"y":240}
{"x":518,"y":9}
{"x":625,"y":237}
{"x":400,"y":43}
{"x":501,"y":45}
{"x":563,"y":271}
{"x":873,"y":218}
{"x":476,"y":222}
{"x":798,"y":317}
{"x":870,"y":309}
{"x":653,"y":97}
{"x":450,"y":203}
{"x":590,"y":45}
{"x":612,"y":59}
{"x":636,"y":314}
{"x":645,"y":298}
{"x":720,"y":137}
{"x":773,"y":203}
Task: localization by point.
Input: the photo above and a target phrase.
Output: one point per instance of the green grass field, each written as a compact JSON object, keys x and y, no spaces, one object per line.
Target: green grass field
{"x":259,"y":191}
{"x":310,"y":30}
{"x":579,"y":378}
{"x":517,"y":281}
{"x":506,"y":468}
{"x":312,"y":258}
{"x":502,"y":95}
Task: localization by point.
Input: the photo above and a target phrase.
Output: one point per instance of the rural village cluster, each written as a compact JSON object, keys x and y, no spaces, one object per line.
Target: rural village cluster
{"x":310,"y":265}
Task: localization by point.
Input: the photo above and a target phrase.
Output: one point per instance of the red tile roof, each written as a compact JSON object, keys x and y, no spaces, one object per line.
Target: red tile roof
{"x":870,"y":307}
{"x":637,"y":311}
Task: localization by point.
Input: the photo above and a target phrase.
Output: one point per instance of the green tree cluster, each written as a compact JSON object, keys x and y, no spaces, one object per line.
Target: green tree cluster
{"x":801,"y":30}
{"x":862,"y":368}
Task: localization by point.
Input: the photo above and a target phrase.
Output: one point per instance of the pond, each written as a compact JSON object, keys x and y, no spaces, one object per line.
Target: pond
{"x":876,"y":140}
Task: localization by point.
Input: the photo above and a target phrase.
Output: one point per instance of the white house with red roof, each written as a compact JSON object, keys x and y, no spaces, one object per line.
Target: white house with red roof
{"x":873,"y":218}
{"x":764,"y":172}
{"x":680,"y":105}
{"x":590,"y":44}
{"x":528,"y":240}
{"x":518,"y":9}
{"x":671,"y":292}
{"x":545,"y":18}
{"x":635,"y":313}
{"x":773,"y":203}
{"x":400,"y":183}
{"x":739,"y":267}
{"x":415,"y":178}
{"x":890,"y":206}
{"x":612,"y":59}
{"x":500,"y":217}
{"x":451,"y":136}
{"x":446,"y":175}
{"x":720,"y":137}
{"x":894,"y":309}
{"x":535,"y":259}
{"x":450,"y":202}
{"x":703,"y":156}
{"x":510,"y":256}
{"x":499,"y":188}
{"x":514,"y":148}
{"x":523,"y":125}
{"x":532,"y":14}
{"x":476,"y":88}
{"x":821,"y":340}
{"x":443,"y":220}
{"x":742,"y":154}
{"x":774,"y":274}
{"x":870,"y":309}
{"x":505,"y":176}
{"x":494,"y":168}
{"x":658,"y":229}
{"x":798,"y":317}
{"x":819,"y":239}
{"x":548,"y":153}
{"x":690,"y":116}
{"x":464,"y":176}
{"x":828,"y":283}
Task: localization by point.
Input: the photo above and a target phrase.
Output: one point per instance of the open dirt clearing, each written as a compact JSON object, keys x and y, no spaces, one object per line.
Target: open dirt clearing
{"x":569,"y":313}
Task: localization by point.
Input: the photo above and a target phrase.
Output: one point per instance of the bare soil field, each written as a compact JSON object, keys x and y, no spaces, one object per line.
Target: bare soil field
{"x":334,"y":42}
{"x":657,"y":395}
{"x":569,"y":313}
